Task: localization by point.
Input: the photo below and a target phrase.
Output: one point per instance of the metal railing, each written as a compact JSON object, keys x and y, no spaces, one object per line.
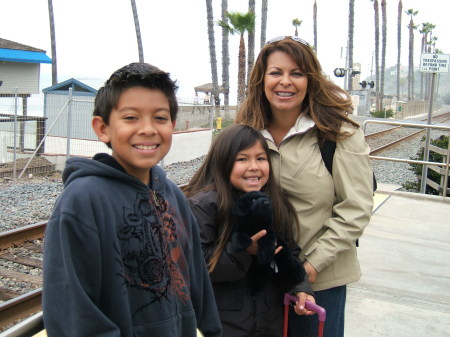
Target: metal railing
{"x":446,"y":165}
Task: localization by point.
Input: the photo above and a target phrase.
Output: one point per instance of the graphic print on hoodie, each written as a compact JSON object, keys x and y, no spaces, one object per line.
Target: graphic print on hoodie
{"x":151,"y":251}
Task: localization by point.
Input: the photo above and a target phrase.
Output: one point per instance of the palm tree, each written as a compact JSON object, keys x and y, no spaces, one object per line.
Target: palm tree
{"x":351,"y":23}
{"x":264,"y":9}
{"x":411,"y":12}
{"x":315,"y":25}
{"x":426,"y":28}
{"x":377,"y":54}
{"x":251,"y":40}
{"x":138,"y":30}
{"x":53,"y":42}
{"x":399,"y":44}
{"x":296,"y":23}
{"x":383,"y":49}
{"x":432,"y":44}
{"x":212,"y":51}
{"x":240,"y":23}
{"x":225,"y":59}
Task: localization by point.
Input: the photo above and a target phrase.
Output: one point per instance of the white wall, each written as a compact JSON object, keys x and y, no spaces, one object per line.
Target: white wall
{"x":24,"y":76}
{"x":186,"y":146}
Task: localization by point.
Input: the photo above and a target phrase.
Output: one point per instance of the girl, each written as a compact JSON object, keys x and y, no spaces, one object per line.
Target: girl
{"x":238,"y":162}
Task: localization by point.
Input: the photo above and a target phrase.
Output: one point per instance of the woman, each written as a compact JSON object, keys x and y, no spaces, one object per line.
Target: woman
{"x":298,"y":109}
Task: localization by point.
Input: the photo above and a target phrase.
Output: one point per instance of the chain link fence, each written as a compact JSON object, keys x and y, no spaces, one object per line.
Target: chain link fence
{"x":38,"y":132}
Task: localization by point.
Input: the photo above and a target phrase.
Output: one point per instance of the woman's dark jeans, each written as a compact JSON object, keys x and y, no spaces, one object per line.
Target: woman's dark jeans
{"x":333,"y":300}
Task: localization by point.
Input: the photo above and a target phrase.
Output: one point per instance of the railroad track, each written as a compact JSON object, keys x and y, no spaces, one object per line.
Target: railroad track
{"x":16,"y":306}
{"x":399,"y":134}
{"x":15,"y":248}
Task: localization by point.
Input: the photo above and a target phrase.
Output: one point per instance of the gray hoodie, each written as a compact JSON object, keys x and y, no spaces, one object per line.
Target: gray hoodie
{"x":124,"y":259}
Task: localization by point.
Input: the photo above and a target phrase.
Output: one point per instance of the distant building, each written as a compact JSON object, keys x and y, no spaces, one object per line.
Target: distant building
{"x":20,"y":68}
{"x":56,"y":109}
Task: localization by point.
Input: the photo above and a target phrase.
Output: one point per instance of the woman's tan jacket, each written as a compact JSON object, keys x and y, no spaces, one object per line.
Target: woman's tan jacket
{"x":333,"y":210}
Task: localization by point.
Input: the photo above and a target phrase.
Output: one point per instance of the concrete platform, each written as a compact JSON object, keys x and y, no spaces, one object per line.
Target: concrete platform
{"x":405,"y":257}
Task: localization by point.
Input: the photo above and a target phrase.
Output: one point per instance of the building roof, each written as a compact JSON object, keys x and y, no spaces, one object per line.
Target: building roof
{"x":16,"y":52}
{"x":207,"y":88}
{"x":76,"y":86}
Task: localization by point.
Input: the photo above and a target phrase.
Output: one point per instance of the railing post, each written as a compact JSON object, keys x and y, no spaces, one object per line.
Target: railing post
{"x":69,"y":123}
{"x":423,"y":184}
{"x":15,"y":135}
{"x":444,"y":193}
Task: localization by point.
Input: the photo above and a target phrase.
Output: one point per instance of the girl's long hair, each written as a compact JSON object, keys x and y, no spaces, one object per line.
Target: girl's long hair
{"x":325,"y":103}
{"x":214,"y":174}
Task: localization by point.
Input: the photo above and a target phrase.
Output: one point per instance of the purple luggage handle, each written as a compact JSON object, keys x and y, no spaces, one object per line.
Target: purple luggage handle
{"x":308,"y":305}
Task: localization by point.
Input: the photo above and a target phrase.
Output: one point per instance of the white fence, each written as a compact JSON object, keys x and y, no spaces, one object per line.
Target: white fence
{"x":55,"y":130}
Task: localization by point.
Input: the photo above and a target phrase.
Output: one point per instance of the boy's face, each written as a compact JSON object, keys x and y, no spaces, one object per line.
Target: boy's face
{"x":140,"y":130}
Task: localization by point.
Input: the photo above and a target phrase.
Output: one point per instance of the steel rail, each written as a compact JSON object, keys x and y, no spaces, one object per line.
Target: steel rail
{"x":395,"y":142}
{"x":20,"y":307}
{"x":19,"y":235}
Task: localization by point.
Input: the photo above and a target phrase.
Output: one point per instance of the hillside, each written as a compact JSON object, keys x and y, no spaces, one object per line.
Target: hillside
{"x":442,"y":85}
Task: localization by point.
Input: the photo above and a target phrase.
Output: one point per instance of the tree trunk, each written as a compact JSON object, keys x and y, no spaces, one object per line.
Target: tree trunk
{"x":241,"y":71}
{"x":351,"y":23}
{"x":411,"y":62}
{"x":251,"y":42}
{"x":53,"y":43}
{"x":264,"y":9}
{"x":399,"y":45}
{"x":225,"y":61}
{"x":377,"y":55}
{"x":212,"y":52}
{"x":315,"y":25}
{"x":138,"y":31}
{"x":383,"y":50}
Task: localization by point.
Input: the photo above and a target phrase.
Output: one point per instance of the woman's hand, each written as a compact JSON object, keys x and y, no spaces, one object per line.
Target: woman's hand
{"x":300,"y":304}
{"x":312,"y":273}
{"x":253,"y":248}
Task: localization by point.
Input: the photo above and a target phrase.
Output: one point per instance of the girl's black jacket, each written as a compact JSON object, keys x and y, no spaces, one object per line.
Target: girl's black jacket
{"x":248,"y":297}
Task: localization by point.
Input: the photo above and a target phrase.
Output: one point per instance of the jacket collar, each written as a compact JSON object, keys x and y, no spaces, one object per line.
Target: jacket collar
{"x":302,"y":125}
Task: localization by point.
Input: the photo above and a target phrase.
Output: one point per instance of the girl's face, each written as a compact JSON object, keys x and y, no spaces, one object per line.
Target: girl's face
{"x":284,"y":84}
{"x":251,"y":169}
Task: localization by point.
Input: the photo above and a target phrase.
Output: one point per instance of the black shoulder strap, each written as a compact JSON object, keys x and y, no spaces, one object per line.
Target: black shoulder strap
{"x":327,"y":151}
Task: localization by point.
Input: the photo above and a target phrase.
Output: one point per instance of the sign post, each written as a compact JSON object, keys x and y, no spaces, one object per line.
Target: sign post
{"x":431,"y":63}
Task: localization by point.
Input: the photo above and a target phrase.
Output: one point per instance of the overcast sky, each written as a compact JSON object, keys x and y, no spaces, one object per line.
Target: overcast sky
{"x":96,"y":37}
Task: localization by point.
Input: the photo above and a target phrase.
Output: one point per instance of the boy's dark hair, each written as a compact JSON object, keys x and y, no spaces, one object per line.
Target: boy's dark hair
{"x":134,"y":75}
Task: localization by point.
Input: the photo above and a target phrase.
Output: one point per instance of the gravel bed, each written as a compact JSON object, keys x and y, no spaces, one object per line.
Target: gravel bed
{"x":30,"y":200}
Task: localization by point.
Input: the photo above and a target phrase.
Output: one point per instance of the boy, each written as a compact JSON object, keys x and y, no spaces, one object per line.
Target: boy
{"x":122,"y":252}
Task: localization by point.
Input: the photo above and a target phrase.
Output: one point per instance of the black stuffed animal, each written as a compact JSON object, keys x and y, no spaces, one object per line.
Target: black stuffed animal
{"x":253,"y":212}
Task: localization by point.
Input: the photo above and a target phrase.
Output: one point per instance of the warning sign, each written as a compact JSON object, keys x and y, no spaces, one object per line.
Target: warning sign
{"x":434,"y":63}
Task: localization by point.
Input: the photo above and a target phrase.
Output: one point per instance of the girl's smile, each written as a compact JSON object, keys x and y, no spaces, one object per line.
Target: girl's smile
{"x":251,"y":169}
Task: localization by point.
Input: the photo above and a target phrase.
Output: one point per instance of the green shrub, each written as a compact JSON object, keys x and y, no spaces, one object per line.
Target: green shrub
{"x":380,"y":114}
{"x":441,"y":142}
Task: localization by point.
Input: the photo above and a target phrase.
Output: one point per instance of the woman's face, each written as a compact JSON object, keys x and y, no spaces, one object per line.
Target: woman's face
{"x":251,"y":169}
{"x":284,"y":84}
